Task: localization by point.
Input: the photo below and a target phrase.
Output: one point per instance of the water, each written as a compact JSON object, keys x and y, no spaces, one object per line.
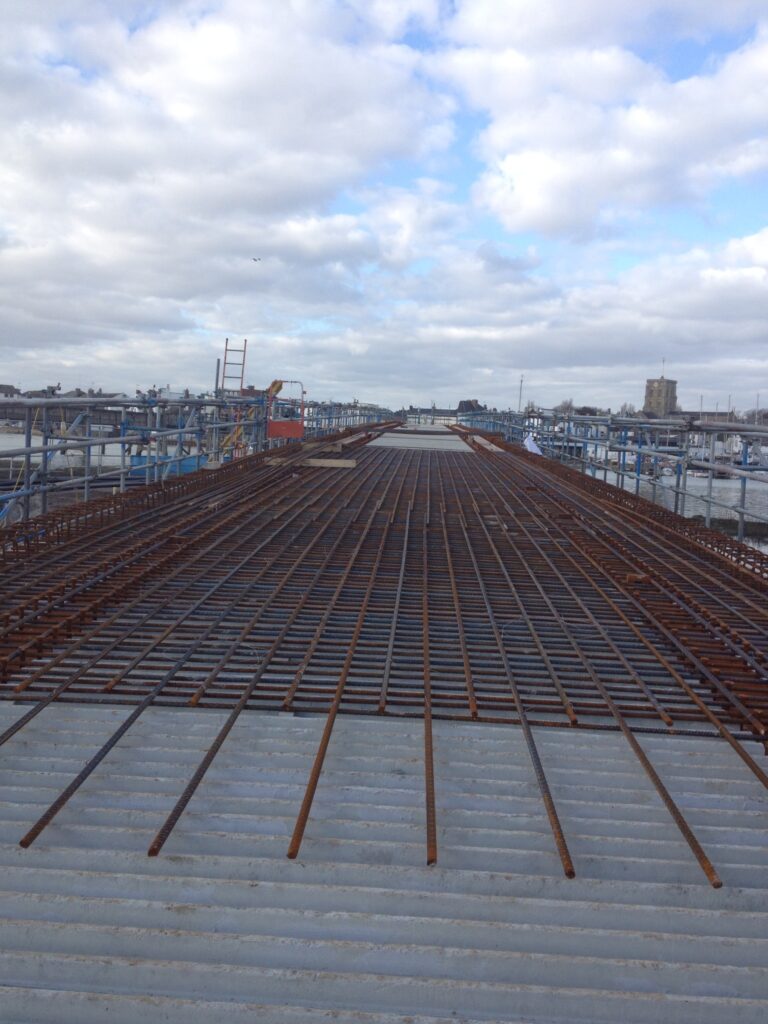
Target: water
{"x":726,"y":491}
{"x":110,"y":456}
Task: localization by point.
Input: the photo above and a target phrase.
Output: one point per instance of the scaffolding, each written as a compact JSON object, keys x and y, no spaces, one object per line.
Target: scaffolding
{"x":665,"y":460}
{"x":74,"y":448}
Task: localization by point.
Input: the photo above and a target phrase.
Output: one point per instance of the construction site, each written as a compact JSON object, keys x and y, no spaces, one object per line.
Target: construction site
{"x":391,"y":723}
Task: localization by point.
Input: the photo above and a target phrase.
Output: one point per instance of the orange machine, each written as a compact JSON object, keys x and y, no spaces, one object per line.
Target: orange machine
{"x":285,"y":416}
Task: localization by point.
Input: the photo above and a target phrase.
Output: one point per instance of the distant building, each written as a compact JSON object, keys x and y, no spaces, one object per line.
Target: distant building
{"x":414,"y":414}
{"x":8,"y":391}
{"x":660,"y":396}
{"x":702,"y":414}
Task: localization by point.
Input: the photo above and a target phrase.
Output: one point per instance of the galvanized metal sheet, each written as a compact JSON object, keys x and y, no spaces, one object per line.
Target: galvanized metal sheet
{"x":222,"y":926}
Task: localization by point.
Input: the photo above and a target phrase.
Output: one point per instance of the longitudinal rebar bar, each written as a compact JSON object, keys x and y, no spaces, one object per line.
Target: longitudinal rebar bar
{"x":263,"y":663}
{"x":541,"y":779}
{"x":317,"y":766}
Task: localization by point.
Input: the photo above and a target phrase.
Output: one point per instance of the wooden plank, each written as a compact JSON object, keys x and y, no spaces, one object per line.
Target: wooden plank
{"x":331,"y":463}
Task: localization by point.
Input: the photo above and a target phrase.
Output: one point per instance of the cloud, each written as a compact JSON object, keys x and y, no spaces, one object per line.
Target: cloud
{"x":442,"y":196}
{"x":135,"y":175}
{"x":391,"y":18}
{"x":580,"y":140}
{"x":497,"y":24}
{"x":409,"y":222}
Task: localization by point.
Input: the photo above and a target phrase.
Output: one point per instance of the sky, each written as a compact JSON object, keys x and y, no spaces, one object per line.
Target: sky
{"x":442,"y":196}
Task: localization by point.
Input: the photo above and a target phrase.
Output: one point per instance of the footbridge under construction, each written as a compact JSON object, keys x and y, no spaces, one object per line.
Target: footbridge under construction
{"x":401,"y":724}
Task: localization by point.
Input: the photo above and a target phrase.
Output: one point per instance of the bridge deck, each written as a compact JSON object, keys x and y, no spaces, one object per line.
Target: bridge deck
{"x":507,"y":721}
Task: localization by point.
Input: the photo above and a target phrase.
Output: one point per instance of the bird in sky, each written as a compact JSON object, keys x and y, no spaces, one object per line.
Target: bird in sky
{"x":256,"y":259}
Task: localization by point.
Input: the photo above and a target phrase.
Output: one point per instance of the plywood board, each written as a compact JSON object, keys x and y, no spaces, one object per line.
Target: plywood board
{"x":331,"y":463}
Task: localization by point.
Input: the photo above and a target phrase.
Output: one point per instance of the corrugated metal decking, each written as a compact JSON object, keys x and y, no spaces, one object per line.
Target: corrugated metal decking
{"x":224,"y":927}
{"x":427,"y":438}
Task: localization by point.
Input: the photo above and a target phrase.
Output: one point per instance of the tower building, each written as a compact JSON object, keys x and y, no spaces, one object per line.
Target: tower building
{"x":660,"y":396}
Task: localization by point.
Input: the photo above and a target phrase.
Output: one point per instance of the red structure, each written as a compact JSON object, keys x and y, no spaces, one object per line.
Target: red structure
{"x":285,"y":416}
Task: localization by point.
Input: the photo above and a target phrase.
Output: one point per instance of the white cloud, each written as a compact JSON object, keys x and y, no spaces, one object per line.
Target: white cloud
{"x":200,"y":139}
{"x":393,"y":17}
{"x":150,"y":150}
{"x":497,"y":24}
{"x":409,"y":221}
{"x":583,"y":137}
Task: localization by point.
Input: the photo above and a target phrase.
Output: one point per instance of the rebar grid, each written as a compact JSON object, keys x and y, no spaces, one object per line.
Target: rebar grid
{"x":484,"y":586}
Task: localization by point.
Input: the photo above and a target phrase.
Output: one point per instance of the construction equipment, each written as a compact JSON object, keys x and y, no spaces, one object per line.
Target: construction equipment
{"x":285,"y":416}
